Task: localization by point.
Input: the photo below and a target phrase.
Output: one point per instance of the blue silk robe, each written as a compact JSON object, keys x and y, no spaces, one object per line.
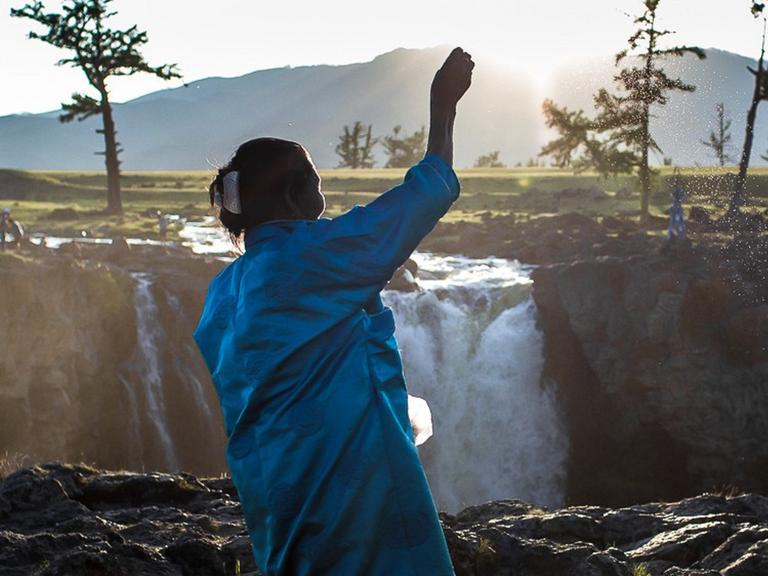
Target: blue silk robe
{"x":303,"y":356}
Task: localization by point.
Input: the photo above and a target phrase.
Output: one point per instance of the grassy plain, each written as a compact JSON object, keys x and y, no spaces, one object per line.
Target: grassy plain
{"x":71,"y":203}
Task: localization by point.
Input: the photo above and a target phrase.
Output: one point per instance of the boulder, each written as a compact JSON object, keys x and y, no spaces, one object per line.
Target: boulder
{"x":118,"y":248}
{"x":404,"y":278}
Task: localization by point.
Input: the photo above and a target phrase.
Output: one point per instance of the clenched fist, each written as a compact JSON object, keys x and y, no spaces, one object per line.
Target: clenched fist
{"x":452,"y":80}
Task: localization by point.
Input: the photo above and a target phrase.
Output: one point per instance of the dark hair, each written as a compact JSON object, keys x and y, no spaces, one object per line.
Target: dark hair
{"x":270,"y":169}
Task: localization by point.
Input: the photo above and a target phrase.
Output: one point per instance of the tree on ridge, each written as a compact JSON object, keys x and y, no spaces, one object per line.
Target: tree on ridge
{"x":403,"y":151}
{"x":618,"y":139}
{"x":490,"y":160}
{"x":101,"y":53}
{"x":760,"y":93}
{"x":720,"y":137}
{"x":355,"y":147}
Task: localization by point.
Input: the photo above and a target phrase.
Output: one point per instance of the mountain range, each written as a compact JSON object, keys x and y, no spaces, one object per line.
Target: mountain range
{"x":200,"y":124}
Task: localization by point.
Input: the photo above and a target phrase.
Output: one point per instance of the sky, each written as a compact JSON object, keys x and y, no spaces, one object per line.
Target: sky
{"x":235,"y":37}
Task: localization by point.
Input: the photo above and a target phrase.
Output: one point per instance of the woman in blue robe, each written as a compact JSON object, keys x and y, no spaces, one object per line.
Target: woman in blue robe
{"x":303,"y":356}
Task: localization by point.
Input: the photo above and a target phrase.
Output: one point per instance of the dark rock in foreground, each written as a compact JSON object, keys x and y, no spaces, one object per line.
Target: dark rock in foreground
{"x":58,"y":519}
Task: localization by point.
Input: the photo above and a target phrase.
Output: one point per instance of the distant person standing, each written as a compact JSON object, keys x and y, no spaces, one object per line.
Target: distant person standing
{"x":162,"y":223}
{"x":303,"y":355}
{"x":4,"y":224}
{"x":676,"y":228}
{"x":9,"y":226}
{"x":676,"y":232}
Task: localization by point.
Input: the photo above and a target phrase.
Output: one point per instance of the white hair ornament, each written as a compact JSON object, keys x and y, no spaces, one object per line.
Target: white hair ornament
{"x":229,"y":197}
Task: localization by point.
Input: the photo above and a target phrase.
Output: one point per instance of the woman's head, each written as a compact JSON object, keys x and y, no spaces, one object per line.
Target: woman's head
{"x":276,"y":181}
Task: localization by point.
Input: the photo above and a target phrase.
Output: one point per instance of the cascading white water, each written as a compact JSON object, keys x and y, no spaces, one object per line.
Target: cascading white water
{"x":472,"y":349}
{"x":136,"y":447}
{"x":147,"y":334}
{"x":183,"y":367}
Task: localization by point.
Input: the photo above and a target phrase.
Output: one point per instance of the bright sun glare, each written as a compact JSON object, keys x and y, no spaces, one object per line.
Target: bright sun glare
{"x":525,"y":35}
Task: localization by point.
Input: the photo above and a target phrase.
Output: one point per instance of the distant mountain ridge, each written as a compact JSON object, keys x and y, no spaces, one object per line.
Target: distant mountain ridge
{"x":200,"y":125}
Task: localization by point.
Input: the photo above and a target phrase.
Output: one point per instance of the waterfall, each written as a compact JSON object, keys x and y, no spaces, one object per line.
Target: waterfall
{"x":472,"y":350}
{"x":136,"y":446}
{"x":148,"y":336}
{"x":181,"y":362}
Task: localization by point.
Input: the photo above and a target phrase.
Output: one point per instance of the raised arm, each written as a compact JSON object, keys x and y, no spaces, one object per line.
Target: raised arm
{"x":449,"y":85}
{"x":361,"y":249}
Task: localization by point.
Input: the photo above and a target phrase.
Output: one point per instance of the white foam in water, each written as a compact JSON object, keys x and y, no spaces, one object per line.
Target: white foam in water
{"x":206,"y":237}
{"x":203,"y":237}
{"x":472,"y":350}
{"x":183,"y":367}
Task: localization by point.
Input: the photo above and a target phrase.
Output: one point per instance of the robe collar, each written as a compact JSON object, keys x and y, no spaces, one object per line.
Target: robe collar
{"x":256,"y":234}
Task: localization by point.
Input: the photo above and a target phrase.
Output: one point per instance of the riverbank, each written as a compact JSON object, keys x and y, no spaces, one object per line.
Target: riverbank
{"x":60,"y":520}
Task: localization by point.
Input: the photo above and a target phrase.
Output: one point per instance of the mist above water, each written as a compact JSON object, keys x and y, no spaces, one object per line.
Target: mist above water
{"x":472,"y":350}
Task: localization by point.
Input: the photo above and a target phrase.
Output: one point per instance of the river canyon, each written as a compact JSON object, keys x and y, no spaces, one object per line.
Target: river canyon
{"x":602,"y":380}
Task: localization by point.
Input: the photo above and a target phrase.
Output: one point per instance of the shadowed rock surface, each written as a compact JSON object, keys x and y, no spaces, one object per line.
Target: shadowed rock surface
{"x":661,"y":365}
{"x":62,"y":519}
{"x":81,"y":394}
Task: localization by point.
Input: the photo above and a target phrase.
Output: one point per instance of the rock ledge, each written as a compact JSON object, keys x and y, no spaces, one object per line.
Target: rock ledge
{"x":63,"y":519}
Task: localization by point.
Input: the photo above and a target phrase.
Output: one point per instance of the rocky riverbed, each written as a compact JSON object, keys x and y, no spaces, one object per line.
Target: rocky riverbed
{"x":60,"y":519}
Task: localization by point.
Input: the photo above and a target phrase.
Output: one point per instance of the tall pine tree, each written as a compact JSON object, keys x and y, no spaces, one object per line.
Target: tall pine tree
{"x":355,"y":147}
{"x":719,"y":140}
{"x":490,"y":160}
{"x":618,"y":139}
{"x":101,"y":53}
{"x":404,"y":150}
{"x":759,"y":94}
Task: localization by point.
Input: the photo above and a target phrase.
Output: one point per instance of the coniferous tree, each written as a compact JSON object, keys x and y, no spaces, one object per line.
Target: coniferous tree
{"x":490,"y":160}
{"x":759,"y":94}
{"x":720,"y":138}
{"x":618,"y":139}
{"x":355,"y":147}
{"x":404,"y":151}
{"x":101,"y":53}
{"x":533,"y":163}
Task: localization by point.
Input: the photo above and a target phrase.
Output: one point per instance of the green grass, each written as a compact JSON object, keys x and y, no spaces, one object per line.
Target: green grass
{"x":640,"y":570}
{"x":33,"y":196}
{"x":10,"y":462}
{"x":526,"y":192}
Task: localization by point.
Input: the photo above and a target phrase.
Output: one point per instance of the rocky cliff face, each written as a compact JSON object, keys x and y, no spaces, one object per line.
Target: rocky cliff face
{"x":660,"y":362}
{"x":62,"y":520}
{"x":662,"y":366}
{"x":82,"y":379}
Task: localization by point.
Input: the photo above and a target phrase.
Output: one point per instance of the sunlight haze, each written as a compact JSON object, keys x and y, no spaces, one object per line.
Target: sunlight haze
{"x":234,"y":37}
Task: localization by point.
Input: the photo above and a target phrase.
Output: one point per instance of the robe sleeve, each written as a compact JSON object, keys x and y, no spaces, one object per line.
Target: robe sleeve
{"x":364,"y":247}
